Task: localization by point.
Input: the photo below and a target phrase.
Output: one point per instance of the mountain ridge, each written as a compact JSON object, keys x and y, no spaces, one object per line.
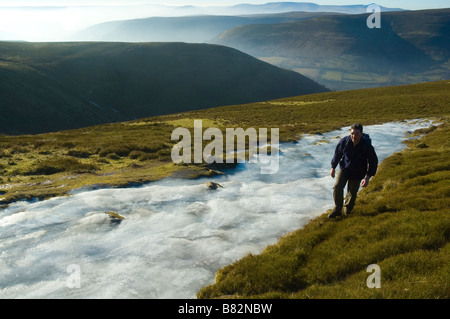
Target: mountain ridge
{"x":202,"y":24}
{"x":56,"y":86}
{"x":191,"y":29}
{"x":59,"y":22}
{"x":265,"y":8}
{"x":341,"y":52}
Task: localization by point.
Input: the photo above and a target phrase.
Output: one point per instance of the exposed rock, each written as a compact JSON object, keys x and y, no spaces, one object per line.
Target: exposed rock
{"x":114,"y":217}
{"x":213,"y":185}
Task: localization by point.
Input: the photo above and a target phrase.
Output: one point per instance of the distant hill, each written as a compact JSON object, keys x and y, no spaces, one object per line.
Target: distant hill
{"x":266,"y":8}
{"x":202,"y":24}
{"x":56,"y":86}
{"x":276,"y":7}
{"x":192,"y":29}
{"x":67,"y":18}
{"x":341,"y":52}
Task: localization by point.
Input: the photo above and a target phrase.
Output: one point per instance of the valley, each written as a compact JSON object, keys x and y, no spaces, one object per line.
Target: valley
{"x":342,"y":53}
{"x":330,"y":45}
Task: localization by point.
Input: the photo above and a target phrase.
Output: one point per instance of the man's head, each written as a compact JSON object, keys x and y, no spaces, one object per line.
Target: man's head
{"x":356,"y":133}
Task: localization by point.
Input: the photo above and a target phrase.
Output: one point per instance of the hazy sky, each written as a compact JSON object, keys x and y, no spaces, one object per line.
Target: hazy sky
{"x":405,"y":4}
{"x":53,"y":20}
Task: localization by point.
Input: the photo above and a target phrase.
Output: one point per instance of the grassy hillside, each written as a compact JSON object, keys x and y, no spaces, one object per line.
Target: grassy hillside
{"x":401,"y":223}
{"x":341,"y":52}
{"x":121,"y":154}
{"x":55,"y":86}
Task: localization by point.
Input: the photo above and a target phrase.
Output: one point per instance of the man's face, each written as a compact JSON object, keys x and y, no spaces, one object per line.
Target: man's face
{"x":355,"y":136}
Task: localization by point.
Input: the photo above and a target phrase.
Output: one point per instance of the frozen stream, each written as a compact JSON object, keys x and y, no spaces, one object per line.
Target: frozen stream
{"x":177,"y":233}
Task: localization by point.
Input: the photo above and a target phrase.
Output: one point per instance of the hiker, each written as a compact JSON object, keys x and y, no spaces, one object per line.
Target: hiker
{"x":358,"y":162}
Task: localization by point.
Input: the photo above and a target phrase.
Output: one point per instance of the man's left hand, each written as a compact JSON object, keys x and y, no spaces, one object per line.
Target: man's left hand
{"x":365,"y":182}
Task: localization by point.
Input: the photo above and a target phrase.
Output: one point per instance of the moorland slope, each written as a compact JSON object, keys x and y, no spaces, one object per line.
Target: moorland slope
{"x":55,"y":86}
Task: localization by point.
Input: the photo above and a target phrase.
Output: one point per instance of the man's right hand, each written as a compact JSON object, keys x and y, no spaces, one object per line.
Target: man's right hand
{"x":333,"y":173}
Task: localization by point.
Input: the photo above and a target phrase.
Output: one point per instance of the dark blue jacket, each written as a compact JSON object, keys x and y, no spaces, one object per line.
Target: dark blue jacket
{"x":356,"y":162}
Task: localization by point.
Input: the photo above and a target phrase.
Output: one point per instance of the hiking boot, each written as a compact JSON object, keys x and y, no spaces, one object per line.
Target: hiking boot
{"x":334,"y":214}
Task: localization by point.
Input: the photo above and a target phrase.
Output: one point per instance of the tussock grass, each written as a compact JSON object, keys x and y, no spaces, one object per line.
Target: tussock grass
{"x":57,"y":165}
{"x":401,"y":222}
{"x":52,"y":164}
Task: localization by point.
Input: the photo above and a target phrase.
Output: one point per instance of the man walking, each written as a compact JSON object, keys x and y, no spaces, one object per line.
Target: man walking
{"x":358,"y":162}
